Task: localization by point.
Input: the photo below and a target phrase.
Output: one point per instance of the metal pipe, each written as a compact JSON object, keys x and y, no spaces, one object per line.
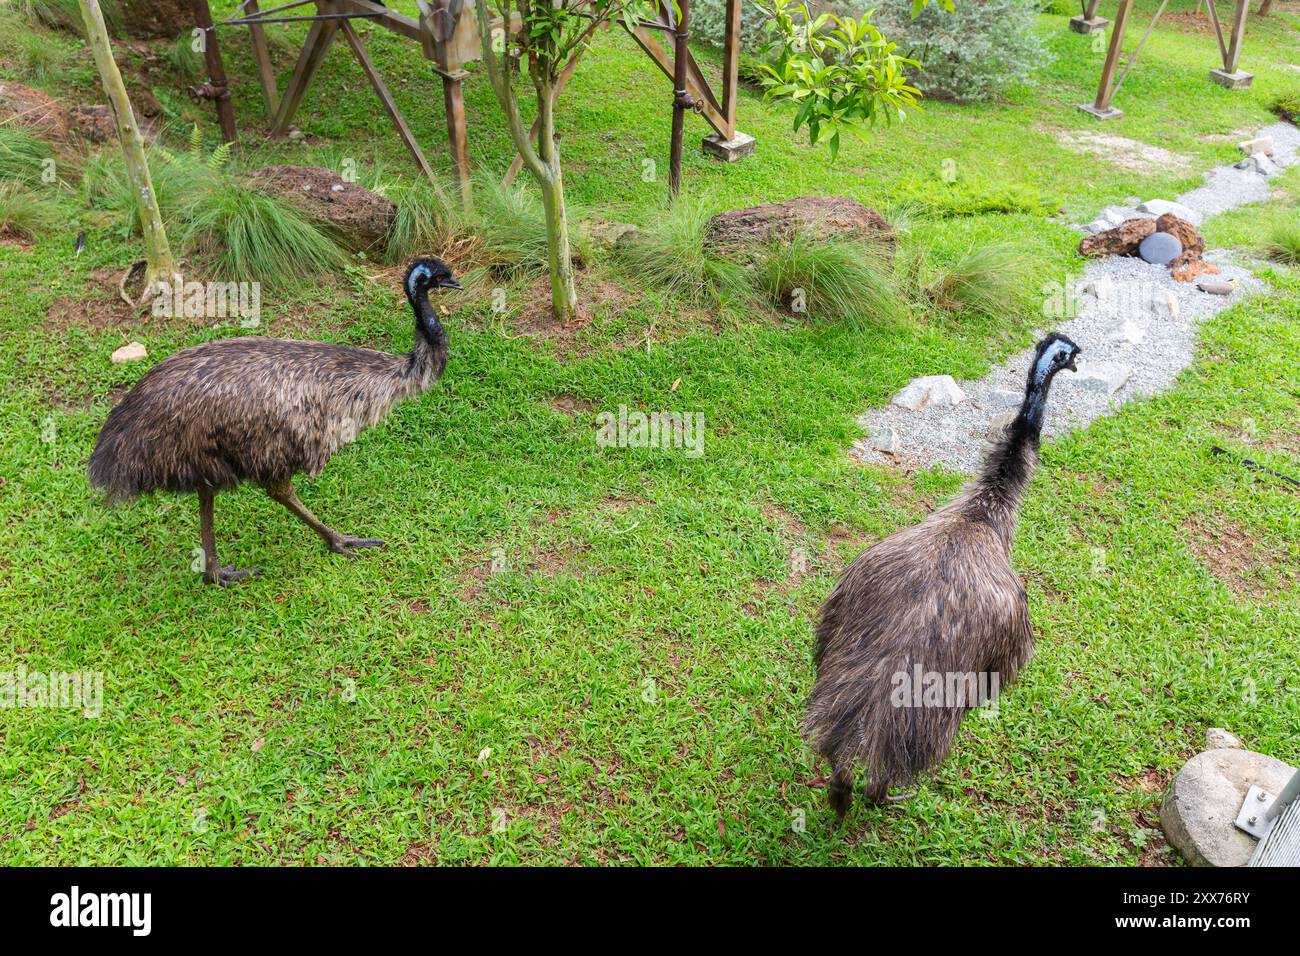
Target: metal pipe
{"x":681,"y":99}
{"x":1289,"y":793}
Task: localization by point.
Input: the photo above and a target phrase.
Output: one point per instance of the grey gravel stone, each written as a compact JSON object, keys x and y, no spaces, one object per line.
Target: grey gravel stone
{"x":954,"y":437}
{"x":1160,"y":248}
{"x":1216,"y":738}
{"x":1129,"y":332}
{"x":1199,"y":811}
{"x":929,"y":391}
{"x":1158,"y":207}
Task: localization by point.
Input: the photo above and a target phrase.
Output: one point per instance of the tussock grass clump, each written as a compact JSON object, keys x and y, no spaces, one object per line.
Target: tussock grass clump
{"x":986,"y":279}
{"x":65,"y":14}
{"x":429,"y":221}
{"x":1287,"y":106}
{"x":836,"y":279}
{"x":227,"y":228}
{"x":26,"y":215}
{"x":23,"y":156}
{"x":671,"y":254}
{"x":1282,"y":237}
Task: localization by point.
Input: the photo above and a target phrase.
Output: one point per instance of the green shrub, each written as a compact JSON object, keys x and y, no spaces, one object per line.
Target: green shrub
{"x":1287,"y":106}
{"x":975,"y":52}
{"x":708,"y":23}
{"x":671,"y":254}
{"x":25,"y":214}
{"x":1061,"y":8}
{"x":837,"y":279}
{"x":227,"y":228}
{"x":933,"y":196}
{"x":988,"y":279}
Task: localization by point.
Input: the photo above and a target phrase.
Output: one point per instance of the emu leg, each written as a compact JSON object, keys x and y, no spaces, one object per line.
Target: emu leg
{"x":213,"y":572}
{"x":337,"y":543}
{"x":839,"y":794}
{"x":879,"y":794}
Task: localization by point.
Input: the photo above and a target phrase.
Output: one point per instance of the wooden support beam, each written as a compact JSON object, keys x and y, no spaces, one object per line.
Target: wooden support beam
{"x":1238,"y":34}
{"x":731,"y":69}
{"x":453,"y":99}
{"x":319,"y":38}
{"x":1101,"y":107}
{"x":647,"y":42}
{"x":262,"y":57}
{"x":218,"y":86}
{"x":390,"y":106}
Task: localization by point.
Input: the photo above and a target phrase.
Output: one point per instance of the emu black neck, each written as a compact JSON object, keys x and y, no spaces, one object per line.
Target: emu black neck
{"x":995,"y":495}
{"x":429,"y":357}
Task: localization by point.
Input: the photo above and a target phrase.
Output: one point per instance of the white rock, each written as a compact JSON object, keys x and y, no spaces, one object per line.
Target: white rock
{"x":1102,"y":289}
{"x":336,"y":188}
{"x":1216,"y":738}
{"x":1129,"y":332}
{"x":1105,"y":377}
{"x":937,"y":390}
{"x":1097,"y":225}
{"x":129,"y":353}
{"x":1006,"y":398}
{"x":1260,"y":144}
{"x":1158,"y":207}
{"x":885,"y":439}
{"x":1261,"y":164}
{"x":1164,"y":304}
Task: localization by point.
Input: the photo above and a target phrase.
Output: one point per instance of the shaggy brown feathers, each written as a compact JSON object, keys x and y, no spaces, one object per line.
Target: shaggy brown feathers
{"x":939,"y":598}
{"x":262,"y":410}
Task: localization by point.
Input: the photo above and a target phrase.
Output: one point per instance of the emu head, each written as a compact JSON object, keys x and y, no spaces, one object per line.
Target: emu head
{"x":426,"y":274}
{"x":1052,"y":354}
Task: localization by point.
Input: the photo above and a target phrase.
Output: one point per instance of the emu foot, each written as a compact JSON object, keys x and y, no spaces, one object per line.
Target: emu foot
{"x":229,"y":575}
{"x":343,"y":544}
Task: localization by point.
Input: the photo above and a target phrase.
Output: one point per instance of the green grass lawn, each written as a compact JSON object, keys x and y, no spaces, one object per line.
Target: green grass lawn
{"x":627,"y":687}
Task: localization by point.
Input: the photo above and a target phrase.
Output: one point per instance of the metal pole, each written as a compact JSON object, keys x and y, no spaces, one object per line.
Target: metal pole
{"x":216,"y":88}
{"x":681,"y":99}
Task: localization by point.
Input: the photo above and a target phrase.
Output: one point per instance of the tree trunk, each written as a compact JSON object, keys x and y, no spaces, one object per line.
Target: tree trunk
{"x":160,"y":267}
{"x":1266,"y":8}
{"x":564,"y":293}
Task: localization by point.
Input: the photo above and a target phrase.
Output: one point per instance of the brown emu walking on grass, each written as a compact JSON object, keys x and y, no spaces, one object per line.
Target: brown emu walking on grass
{"x":262,"y":410}
{"x":937,"y":601}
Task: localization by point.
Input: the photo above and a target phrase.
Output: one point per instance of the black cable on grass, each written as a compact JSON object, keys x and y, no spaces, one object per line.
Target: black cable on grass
{"x":1256,"y":466}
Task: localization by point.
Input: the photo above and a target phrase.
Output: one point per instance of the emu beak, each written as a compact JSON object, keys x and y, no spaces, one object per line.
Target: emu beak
{"x":1072,"y":364}
{"x":449,"y":283}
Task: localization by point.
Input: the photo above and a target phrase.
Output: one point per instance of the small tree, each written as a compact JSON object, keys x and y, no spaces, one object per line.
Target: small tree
{"x":842,"y":72}
{"x":551,"y":33}
{"x":159,"y":265}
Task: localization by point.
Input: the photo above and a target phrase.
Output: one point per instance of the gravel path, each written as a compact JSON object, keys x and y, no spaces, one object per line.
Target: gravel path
{"x":1119,"y":332}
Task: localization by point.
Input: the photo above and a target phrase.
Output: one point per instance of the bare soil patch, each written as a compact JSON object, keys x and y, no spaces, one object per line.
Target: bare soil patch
{"x":1233,"y":554}
{"x":1121,"y":151}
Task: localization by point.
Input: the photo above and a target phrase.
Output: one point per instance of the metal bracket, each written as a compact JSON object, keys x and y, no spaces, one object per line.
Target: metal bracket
{"x":1253,"y":817}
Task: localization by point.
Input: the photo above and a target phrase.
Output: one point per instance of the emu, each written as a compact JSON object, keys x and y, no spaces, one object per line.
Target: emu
{"x":939,"y":598}
{"x":262,"y":410}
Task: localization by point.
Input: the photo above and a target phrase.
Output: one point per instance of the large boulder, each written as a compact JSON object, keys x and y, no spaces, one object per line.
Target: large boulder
{"x":818,"y":217}
{"x":361,"y":218}
{"x":154,"y":18}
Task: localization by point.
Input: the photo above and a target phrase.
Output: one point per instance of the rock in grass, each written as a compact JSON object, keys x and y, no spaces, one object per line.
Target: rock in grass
{"x":1123,"y":240}
{"x":940,"y":391}
{"x":817,"y":217}
{"x":1216,"y":287}
{"x":129,"y":353}
{"x":1260,"y":144}
{"x":1200,"y":808}
{"x":1216,"y":738}
{"x":885,"y":439}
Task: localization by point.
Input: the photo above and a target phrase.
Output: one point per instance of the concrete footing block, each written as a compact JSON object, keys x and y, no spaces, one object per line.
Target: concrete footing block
{"x":1232,"y":81}
{"x":1108,"y":113}
{"x":1081,"y":24}
{"x":729,"y":150}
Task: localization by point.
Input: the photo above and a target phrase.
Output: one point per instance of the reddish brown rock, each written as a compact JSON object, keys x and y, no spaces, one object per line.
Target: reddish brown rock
{"x":1123,"y":240}
{"x":1188,"y":266}
{"x":819,"y":217}
{"x":359,"y":217}
{"x":43,"y":115}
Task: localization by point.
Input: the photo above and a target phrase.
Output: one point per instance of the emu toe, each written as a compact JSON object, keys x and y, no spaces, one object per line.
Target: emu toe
{"x":230,"y":575}
{"x":344,"y":543}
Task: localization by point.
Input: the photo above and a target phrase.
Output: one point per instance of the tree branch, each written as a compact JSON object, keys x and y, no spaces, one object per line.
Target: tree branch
{"x":500,"y":80}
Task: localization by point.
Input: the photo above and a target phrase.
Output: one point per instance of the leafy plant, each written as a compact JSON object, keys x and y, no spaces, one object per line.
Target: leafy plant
{"x":971,"y":51}
{"x":973,"y":197}
{"x":831,"y":279}
{"x":1287,"y":106}
{"x":841,"y":72}
{"x":671,"y":254}
{"x":25,"y":214}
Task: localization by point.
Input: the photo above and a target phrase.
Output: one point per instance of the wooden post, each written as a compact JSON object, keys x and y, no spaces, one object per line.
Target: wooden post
{"x":319,"y":38}
{"x":1088,"y":21}
{"x":1238,"y":32}
{"x":217,"y":88}
{"x":439,"y":24}
{"x":1101,"y":107}
{"x":1230,"y":77}
{"x":262,"y":56}
{"x":681,"y":99}
{"x":731,"y":68}
{"x":1265,"y":8}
